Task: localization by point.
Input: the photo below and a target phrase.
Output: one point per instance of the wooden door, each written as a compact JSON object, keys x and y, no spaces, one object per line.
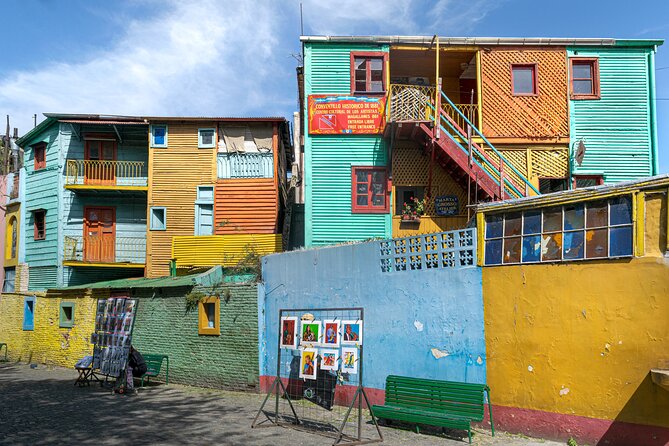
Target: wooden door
{"x":100,"y":166}
{"x":99,"y":234}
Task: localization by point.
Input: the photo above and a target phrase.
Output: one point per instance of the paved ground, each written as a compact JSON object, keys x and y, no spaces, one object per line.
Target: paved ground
{"x":42,"y":407}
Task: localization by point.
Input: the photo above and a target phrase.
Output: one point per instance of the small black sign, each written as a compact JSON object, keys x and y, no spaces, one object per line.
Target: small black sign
{"x":446,"y":205}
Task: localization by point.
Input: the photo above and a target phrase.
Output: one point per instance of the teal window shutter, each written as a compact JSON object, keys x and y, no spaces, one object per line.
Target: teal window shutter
{"x":29,"y":313}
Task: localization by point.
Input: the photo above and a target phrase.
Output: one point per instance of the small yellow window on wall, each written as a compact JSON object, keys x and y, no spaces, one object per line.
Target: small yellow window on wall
{"x":209,"y":316}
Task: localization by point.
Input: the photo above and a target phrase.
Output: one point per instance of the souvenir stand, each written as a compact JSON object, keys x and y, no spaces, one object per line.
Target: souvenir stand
{"x":319,"y":376}
{"x":114,"y":322}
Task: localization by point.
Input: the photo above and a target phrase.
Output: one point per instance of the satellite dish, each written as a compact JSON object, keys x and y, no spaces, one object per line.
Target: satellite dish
{"x":580,"y":152}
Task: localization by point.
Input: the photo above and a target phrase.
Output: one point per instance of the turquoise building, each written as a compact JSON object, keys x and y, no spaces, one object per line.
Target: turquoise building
{"x":85,"y":199}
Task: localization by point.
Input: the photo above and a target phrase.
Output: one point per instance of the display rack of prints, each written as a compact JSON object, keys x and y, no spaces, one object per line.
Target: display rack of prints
{"x":319,"y":376}
{"x":114,"y":322}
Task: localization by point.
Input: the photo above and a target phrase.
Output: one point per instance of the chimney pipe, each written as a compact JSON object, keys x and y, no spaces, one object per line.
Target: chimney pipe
{"x":16,"y":132}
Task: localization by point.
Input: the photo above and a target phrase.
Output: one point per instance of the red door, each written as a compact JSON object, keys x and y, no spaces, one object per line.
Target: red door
{"x":99,"y":234}
{"x":100,"y":167}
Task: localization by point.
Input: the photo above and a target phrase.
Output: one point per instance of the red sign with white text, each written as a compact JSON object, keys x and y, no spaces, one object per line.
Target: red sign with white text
{"x":336,"y":115}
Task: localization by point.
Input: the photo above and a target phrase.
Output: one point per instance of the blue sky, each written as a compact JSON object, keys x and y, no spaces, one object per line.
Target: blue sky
{"x":235,"y":57}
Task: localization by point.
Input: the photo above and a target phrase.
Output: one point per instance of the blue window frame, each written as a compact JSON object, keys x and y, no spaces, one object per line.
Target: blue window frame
{"x":158,"y":219}
{"x":204,"y":211}
{"x":29,"y":313}
{"x":159,"y":136}
{"x":206,"y":138}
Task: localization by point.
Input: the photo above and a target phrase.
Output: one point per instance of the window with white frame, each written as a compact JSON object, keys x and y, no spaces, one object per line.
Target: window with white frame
{"x":592,"y":230}
{"x":158,"y":219}
{"x":206,"y":138}
{"x":204,"y":211}
{"x":159,"y":136}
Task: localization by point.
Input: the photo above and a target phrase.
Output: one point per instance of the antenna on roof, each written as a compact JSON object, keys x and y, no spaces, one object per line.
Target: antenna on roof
{"x":301,"y":21}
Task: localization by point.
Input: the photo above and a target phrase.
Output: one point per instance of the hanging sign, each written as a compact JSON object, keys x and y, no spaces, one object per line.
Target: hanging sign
{"x":446,"y":205}
{"x":336,"y":115}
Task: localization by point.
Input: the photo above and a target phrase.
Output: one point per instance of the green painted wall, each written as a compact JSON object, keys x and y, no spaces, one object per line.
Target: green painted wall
{"x":229,"y":360}
{"x":617,"y":128}
{"x":328,"y":158}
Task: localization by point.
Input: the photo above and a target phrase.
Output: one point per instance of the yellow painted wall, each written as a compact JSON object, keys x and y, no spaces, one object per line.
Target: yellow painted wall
{"x":226,"y":250}
{"x":48,"y":343}
{"x":579,"y":338}
{"x":174,"y":174}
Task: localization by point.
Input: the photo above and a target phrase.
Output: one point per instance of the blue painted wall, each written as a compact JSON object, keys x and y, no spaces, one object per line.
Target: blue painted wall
{"x":448,"y":303}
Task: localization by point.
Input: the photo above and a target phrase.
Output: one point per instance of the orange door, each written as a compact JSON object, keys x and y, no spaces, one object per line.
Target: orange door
{"x":99,"y":235}
{"x":100,"y":162}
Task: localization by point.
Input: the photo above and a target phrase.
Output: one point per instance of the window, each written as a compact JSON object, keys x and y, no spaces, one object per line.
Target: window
{"x":39,"y":217}
{"x":66,"y":317}
{"x":370,"y":187}
{"x":12,"y":238}
{"x":206,"y":138}
{"x":204,"y":211}
{"x":588,"y":181}
{"x":158,"y":219}
{"x":158,"y":136}
{"x":209,"y":314}
{"x":8,"y":283}
{"x":368,"y":72}
{"x":524,"y":80}
{"x":404,"y":194}
{"x":549,"y":185}
{"x":584,"y":78}
{"x":591,"y":230}
{"x":39,"y":153}
{"x":29,"y":313}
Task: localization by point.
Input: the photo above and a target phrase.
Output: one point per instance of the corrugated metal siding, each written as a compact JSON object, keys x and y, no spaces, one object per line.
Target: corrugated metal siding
{"x":42,"y":277}
{"x":328,"y":159}
{"x":247,"y":205}
{"x":226,"y":250}
{"x":175,"y":173}
{"x":616,"y":127}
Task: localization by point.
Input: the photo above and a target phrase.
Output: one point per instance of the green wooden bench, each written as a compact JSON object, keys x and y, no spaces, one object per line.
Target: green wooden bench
{"x":436,"y":403}
{"x":2,"y":344}
{"x":154,"y":364}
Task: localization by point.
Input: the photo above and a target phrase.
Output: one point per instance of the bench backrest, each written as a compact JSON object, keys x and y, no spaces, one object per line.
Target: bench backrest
{"x":462,"y":399}
{"x":153,"y":362}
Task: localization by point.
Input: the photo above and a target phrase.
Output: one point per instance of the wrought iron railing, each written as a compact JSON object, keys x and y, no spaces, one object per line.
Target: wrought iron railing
{"x":105,"y":173}
{"x":410,"y":102}
{"x":104,"y":249}
{"x":246,"y":165}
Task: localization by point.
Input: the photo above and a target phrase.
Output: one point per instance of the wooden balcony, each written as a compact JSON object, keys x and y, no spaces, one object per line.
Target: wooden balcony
{"x":118,"y":252}
{"x":106,"y":175}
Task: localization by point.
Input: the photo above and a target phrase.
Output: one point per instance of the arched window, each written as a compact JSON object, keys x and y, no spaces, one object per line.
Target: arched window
{"x":11,"y":238}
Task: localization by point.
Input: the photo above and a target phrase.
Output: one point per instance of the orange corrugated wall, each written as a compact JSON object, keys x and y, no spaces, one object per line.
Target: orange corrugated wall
{"x":246,"y":205}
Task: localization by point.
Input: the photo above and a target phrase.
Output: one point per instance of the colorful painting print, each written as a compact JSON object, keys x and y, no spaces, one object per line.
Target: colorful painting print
{"x":289,"y":332}
{"x":351,"y":333}
{"x":349,"y":363}
{"x":308,"y":363}
{"x":330,"y":333}
{"x":310,"y":332}
{"x":329,"y":359}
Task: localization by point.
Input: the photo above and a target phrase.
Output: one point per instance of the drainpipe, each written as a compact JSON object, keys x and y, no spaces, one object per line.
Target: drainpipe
{"x":173,"y":267}
{"x":655,"y":166}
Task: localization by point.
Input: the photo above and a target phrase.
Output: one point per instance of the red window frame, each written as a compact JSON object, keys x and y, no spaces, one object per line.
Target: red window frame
{"x":535,"y":79}
{"x":594,"y":70}
{"x":39,"y":154}
{"x":384,"y":72}
{"x":598,"y":178}
{"x":369,"y":209}
{"x":39,"y":224}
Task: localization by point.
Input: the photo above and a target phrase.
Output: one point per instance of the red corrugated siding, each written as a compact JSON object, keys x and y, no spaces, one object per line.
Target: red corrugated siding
{"x":248,"y":205}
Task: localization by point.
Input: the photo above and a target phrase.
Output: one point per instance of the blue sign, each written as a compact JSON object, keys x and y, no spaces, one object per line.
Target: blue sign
{"x":446,"y":205}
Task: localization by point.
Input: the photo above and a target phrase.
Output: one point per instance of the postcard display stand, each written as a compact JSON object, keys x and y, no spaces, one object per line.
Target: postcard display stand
{"x":114,"y":321}
{"x":319,"y":381}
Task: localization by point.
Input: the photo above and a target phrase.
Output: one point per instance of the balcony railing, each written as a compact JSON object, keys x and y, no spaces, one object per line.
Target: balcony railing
{"x":245,"y":165}
{"x":105,"y":249}
{"x":410,"y":102}
{"x":470,"y":111}
{"x":106,"y":173}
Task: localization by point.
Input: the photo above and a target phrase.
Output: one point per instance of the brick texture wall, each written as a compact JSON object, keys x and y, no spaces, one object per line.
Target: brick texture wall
{"x":229,"y":361}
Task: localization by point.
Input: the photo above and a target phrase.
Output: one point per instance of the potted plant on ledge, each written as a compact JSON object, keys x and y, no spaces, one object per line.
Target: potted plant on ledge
{"x":413,"y":209}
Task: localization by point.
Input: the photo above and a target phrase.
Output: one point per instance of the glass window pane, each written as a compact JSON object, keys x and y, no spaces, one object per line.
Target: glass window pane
{"x":532,"y":222}
{"x":574,"y":217}
{"x":621,"y":241}
{"x":376,"y":63}
{"x":532,"y":248}
{"x":493,"y":252}
{"x":596,"y":243}
{"x":597,"y":214}
{"x":378,"y":200}
{"x":621,"y":211}
{"x":159,"y":135}
{"x":376,"y":86}
{"x":210,"y":309}
{"x":361,"y":176}
{"x":512,"y":224}
{"x":360,"y":63}
{"x":583,"y":87}
{"x":362,"y":188}
{"x":582,"y":70}
{"x":552,"y":249}
{"x":553,"y":220}
{"x":523,"y":80}
{"x":573,"y":245}
{"x":362,"y":200}
{"x":378,"y":177}
{"x":207,"y":137}
{"x":512,"y":250}
{"x":360,"y":85}
{"x":377,"y":76}
{"x":493,"y":226}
